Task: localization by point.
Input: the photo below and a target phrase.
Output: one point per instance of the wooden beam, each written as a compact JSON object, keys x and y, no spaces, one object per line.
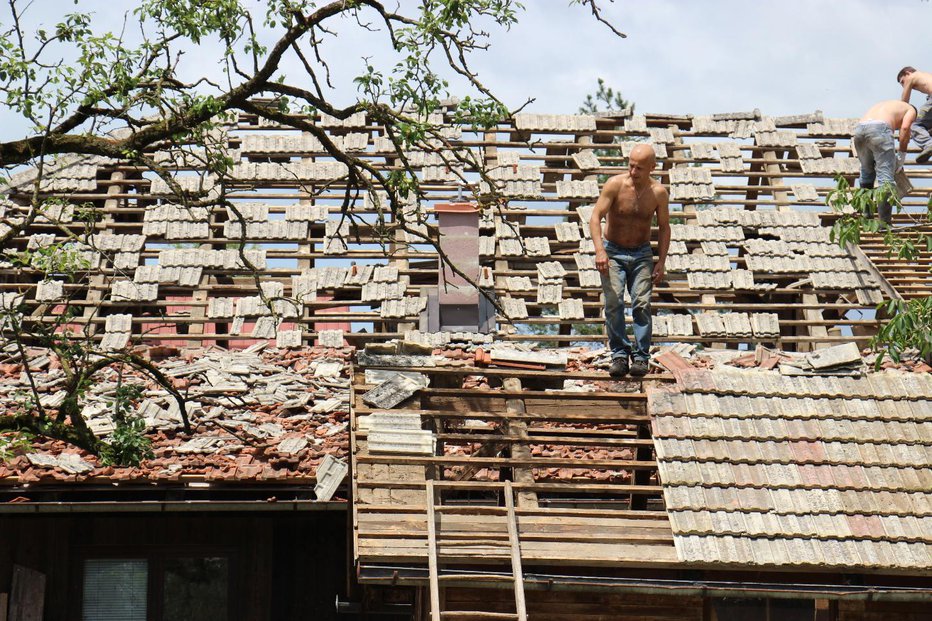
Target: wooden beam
{"x":517,"y":430}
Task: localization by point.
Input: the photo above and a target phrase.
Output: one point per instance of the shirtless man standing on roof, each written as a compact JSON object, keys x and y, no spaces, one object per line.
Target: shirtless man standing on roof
{"x":912,"y":80}
{"x":628,"y":203}
{"x":873,"y":139}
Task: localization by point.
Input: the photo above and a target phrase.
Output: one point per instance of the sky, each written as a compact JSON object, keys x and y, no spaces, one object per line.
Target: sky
{"x":680,"y":56}
{"x":692,"y":56}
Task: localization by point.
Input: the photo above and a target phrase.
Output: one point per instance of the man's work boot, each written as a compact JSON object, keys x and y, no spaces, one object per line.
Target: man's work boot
{"x":619,"y":367}
{"x":925,"y":156}
{"x":639,"y":368}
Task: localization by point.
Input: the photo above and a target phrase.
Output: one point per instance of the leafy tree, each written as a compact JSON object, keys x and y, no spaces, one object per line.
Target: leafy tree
{"x":129,"y":94}
{"x":612,"y":99}
{"x":909,"y":326}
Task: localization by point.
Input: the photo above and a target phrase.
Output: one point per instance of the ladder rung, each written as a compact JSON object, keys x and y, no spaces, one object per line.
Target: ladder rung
{"x":501,"y":544}
{"x":476,"y":577}
{"x":468,"y":509}
{"x":468,"y":614}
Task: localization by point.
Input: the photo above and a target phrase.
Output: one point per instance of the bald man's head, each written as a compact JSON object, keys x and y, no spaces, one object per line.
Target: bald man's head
{"x":641,"y":162}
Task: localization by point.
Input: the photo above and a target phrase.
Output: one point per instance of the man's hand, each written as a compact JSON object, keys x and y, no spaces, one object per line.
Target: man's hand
{"x":658,"y":273}
{"x":900,"y":159}
{"x":601,"y":261}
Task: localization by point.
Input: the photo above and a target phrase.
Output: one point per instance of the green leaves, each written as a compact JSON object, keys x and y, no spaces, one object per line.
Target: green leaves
{"x":197,"y":19}
{"x":62,"y":260}
{"x":13,"y":443}
{"x":485,"y":113}
{"x":909,"y":326}
{"x":128,"y":444}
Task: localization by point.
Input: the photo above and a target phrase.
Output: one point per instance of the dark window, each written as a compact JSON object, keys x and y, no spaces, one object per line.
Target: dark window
{"x":156,"y":588}
{"x":195,"y":589}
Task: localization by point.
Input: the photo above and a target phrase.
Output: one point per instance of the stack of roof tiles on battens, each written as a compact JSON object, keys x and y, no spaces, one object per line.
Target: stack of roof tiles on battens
{"x":764,"y":470}
{"x":742,"y":251}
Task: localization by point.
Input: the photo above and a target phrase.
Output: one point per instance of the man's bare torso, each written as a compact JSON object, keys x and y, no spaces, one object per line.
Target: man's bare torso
{"x":890,"y":112}
{"x":629,"y":218}
{"x":921,"y":81}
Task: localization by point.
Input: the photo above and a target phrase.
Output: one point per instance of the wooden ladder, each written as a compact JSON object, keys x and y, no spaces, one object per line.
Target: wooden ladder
{"x":517,"y":575}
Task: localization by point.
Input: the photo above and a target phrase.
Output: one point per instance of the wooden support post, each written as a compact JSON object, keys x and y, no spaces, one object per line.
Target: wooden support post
{"x":519,"y":450}
{"x":432,"y":565}
{"x":826,"y":610}
{"x":751,"y":194}
{"x":516,"y":570}
{"x":813,"y":315}
{"x":775,"y":180}
{"x":97,"y":282}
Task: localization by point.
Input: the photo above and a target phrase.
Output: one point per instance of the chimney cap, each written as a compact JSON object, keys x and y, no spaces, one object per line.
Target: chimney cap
{"x":455,"y":208}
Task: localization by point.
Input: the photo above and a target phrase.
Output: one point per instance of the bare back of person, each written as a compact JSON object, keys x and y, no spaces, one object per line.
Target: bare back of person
{"x":628,"y":219}
{"x":890,"y":112}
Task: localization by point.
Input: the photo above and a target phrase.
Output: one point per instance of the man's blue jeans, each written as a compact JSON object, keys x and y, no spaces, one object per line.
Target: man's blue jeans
{"x":631,"y":269}
{"x":877,"y":152}
{"x":923,"y":125}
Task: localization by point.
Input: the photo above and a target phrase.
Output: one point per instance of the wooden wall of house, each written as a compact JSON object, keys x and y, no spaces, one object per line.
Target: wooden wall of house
{"x":577,"y":606}
{"x":282,"y":567}
{"x":884,"y":611}
{"x":594,"y":606}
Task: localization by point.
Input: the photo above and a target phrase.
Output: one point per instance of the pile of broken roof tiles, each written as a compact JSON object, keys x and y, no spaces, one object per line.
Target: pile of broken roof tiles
{"x":768,"y":469}
{"x":255,"y":415}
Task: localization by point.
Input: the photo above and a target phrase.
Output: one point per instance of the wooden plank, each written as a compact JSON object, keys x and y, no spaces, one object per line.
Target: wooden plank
{"x":544,"y":512}
{"x":27,"y":597}
{"x":454,"y":408}
{"x":472,"y":537}
{"x":509,"y":462}
{"x":517,"y":430}
{"x":564,"y":554}
{"x":814,"y":318}
{"x":568,"y":397}
{"x":516,"y":570}
{"x":432,"y":554}
{"x":581,"y":488}
{"x":542,"y":527}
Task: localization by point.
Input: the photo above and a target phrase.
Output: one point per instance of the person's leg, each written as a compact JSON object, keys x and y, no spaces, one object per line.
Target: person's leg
{"x":866,"y":157}
{"x":921,"y":129}
{"x":613,"y":284}
{"x":641,"y":288}
{"x":883,"y":147}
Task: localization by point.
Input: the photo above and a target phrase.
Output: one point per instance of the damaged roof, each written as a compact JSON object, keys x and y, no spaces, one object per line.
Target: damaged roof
{"x":257,"y":416}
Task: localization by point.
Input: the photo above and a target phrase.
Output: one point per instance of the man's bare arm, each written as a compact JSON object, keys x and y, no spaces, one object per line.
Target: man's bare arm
{"x":905,"y":126}
{"x":907,"y":87}
{"x":606,"y":198}
{"x":663,"y":233}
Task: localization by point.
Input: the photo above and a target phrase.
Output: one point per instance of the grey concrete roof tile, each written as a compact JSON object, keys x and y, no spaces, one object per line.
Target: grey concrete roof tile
{"x":925,"y":478}
{"x":721,"y":473}
{"x":755,"y":499}
{"x":921,"y":503}
{"x":910,"y":475}
{"x":690,"y":548}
